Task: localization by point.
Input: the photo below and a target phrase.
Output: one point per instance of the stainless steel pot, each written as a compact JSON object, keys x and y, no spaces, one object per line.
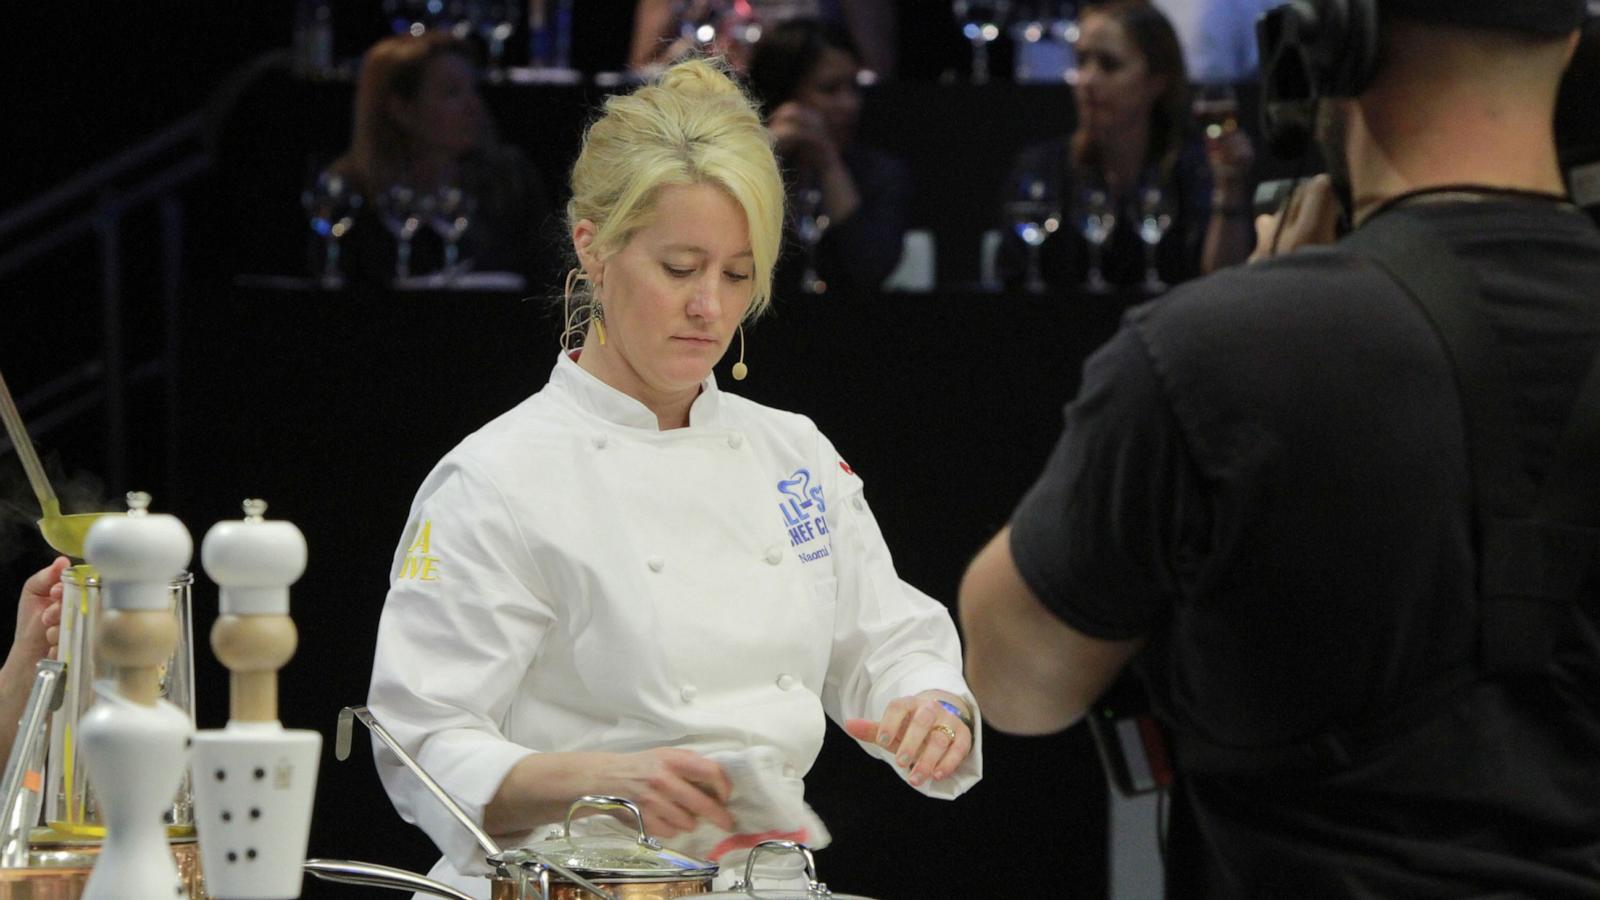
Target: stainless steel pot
{"x":563,"y":867}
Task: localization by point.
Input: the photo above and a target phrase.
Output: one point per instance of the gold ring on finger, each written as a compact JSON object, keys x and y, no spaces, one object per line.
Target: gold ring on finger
{"x":948,"y":732}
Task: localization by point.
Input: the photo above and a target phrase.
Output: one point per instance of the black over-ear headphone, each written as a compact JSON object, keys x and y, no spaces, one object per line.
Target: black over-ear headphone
{"x":1312,"y":49}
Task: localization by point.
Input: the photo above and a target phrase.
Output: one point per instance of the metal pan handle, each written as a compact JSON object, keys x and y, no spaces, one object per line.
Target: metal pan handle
{"x":341,"y":751}
{"x":348,"y":871}
{"x":603,"y":802}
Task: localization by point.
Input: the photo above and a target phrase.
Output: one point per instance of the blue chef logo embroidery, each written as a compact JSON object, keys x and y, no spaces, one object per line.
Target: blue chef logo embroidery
{"x":803,"y":510}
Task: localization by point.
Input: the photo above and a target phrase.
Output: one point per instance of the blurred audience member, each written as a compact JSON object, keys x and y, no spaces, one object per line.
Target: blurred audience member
{"x":423,"y":145}
{"x":871,"y":24}
{"x":1134,"y":156}
{"x":804,"y":72}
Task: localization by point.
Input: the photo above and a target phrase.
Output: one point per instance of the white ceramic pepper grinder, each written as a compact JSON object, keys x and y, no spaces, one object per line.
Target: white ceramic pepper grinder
{"x":135,"y":744}
{"x":254,"y":781}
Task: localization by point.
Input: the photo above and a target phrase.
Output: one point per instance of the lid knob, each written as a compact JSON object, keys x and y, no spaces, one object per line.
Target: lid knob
{"x":255,"y":510}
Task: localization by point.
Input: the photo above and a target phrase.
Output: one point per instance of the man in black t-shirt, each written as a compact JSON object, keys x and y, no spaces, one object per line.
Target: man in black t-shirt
{"x":1262,"y":501}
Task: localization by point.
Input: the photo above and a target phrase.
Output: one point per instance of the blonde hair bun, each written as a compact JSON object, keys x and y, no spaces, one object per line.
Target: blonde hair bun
{"x":709,"y":75}
{"x":693,"y":124}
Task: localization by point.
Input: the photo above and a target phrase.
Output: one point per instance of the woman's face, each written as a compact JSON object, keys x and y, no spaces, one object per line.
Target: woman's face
{"x":446,"y":116}
{"x":1115,"y":89}
{"x":830,"y":89}
{"x":673,"y":295}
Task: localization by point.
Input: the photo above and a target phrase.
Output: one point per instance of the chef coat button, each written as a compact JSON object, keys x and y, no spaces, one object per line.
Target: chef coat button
{"x":789,"y":771}
{"x":656,"y":563}
{"x":735,"y":440}
{"x":688,"y":693}
{"x":599,"y":442}
{"x":858,"y":504}
{"x":774,"y":556}
{"x":787,"y":682}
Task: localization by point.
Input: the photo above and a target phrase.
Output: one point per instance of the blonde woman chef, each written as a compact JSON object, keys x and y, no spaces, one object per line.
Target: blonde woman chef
{"x":632,"y":569}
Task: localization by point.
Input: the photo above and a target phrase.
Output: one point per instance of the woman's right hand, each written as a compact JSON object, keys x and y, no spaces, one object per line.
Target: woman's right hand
{"x":39,"y":615}
{"x":675,"y":789}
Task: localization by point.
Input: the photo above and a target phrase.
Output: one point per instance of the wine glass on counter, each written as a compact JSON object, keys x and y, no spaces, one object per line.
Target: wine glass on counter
{"x":810,"y":223}
{"x":399,"y":208}
{"x":1097,"y":218}
{"x":1155,"y":218}
{"x":1034,"y":217}
{"x":495,"y":21}
{"x":331,"y":203}
{"x":452,"y":216}
{"x":981,"y":23}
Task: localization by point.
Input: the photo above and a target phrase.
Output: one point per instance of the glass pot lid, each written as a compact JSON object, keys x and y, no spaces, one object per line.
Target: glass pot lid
{"x":610,"y":853}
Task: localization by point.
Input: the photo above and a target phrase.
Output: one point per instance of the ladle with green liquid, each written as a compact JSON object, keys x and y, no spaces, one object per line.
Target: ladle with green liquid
{"x":65,"y":533}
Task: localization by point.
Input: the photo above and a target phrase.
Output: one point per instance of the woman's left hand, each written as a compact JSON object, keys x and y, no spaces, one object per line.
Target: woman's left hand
{"x":926,"y":738}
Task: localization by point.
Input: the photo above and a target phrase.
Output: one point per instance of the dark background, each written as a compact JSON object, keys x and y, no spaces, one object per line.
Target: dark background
{"x":334,"y":406}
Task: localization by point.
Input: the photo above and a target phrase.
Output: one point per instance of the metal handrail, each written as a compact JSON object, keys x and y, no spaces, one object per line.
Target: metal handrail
{"x":111,"y":190}
{"x":158,"y":185}
{"x":190,"y":127}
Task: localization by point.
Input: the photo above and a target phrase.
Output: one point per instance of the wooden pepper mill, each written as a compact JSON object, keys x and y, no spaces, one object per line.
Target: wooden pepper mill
{"x":135,"y":744}
{"x":254,"y":780}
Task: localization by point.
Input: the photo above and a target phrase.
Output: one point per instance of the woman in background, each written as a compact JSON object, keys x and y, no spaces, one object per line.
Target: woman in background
{"x":804,"y":72}
{"x":421,"y":130}
{"x":1133,"y":154}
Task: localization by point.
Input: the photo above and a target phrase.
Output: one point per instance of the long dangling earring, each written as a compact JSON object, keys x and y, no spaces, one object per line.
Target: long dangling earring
{"x":740,"y":370}
{"x":568,"y":326}
{"x":569,"y":316}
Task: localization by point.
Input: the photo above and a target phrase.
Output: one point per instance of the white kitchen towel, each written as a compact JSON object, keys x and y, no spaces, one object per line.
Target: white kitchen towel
{"x":766,"y":804}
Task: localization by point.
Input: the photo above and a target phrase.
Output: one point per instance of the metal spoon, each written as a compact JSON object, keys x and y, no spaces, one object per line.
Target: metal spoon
{"x":64,"y":533}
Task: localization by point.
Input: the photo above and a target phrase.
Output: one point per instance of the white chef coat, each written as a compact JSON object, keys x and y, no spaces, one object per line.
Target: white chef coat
{"x":573,"y":578}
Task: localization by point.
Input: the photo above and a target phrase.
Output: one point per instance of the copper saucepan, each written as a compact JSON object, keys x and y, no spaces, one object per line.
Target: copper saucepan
{"x":60,"y":872}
